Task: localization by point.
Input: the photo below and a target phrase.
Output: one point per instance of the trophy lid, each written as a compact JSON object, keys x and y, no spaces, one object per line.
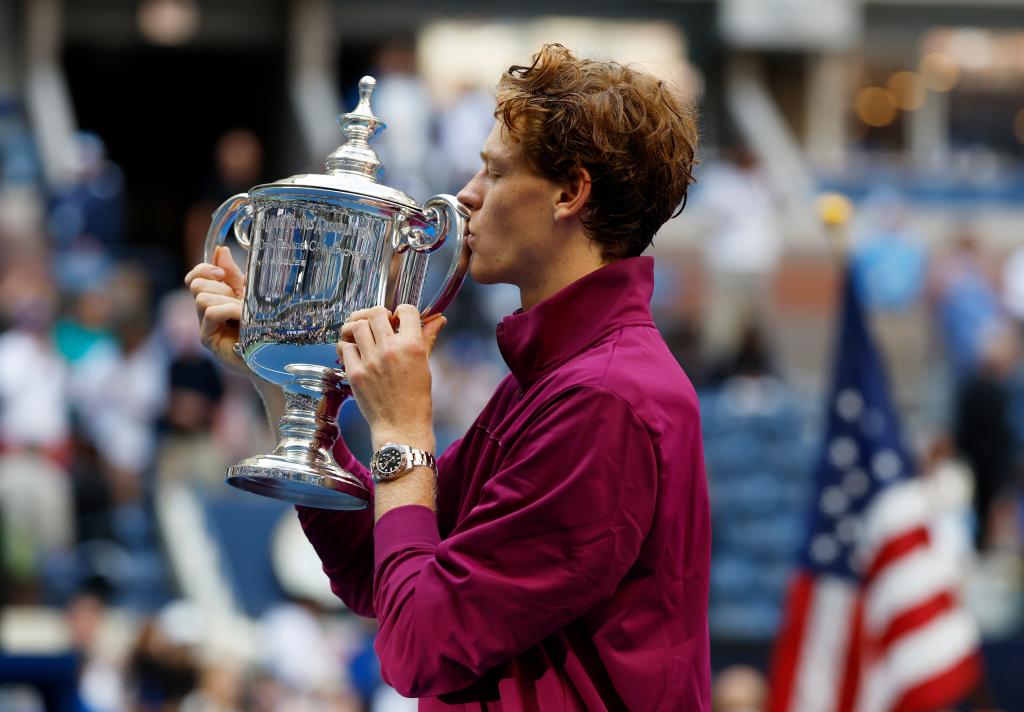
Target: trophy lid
{"x":354,"y":166}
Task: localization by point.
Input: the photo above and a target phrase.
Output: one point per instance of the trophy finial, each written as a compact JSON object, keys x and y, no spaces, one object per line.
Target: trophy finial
{"x":359,"y":126}
{"x":366,"y":86}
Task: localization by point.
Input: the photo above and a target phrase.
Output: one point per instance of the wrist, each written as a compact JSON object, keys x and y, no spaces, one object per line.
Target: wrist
{"x":419,"y":438}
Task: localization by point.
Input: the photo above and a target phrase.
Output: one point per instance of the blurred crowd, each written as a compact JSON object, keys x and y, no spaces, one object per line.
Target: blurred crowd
{"x":107,"y":399}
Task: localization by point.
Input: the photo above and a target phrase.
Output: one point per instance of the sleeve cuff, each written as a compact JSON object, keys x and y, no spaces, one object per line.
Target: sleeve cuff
{"x":409,"y":525}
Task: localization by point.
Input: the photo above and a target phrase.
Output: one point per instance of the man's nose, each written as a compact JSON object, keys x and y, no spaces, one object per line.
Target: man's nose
{"x":470,"y":193}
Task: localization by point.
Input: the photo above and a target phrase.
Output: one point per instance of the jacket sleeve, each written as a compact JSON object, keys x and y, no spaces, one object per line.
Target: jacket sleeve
{"x":344,"y":540}
{"x":556,"y":529}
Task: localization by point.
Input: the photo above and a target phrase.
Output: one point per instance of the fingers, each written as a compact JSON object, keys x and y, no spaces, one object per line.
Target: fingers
{"x":380,"y":324}
{"x":431,"y":328}
{"x":201,"y":285}
{"x":408,"y":320}
{"x":216,"y":316}
{"x":368,"y":332}
{"x":205,"y":300}
{"x":223,"y":270}
{"x":232,"y":273}
{"x":378,"y":319}
{"x":347,"y":331}
{"x":349,"y":355}
{"x":362,"y":336}
{"x":204,"y":270}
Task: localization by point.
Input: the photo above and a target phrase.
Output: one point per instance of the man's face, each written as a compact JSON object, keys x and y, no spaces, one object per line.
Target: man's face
{"x":511,"y":215}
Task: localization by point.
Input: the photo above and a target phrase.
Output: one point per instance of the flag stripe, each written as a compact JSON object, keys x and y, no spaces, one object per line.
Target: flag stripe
{"x":938,"y":690}
{"x":916,"y":618}
{"x":914,"y":578}
{"x":920,"y":656}
{"x":852,"y":673}
{"x":896,"y":548}
{"x":821,"y":664}
{"x":787,"y":651}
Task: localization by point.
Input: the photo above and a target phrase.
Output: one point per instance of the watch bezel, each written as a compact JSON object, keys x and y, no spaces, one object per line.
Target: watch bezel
{"x":379,"y":460}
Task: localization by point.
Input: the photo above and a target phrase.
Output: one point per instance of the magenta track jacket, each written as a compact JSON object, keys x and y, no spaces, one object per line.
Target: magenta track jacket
{"x":567,"y":566}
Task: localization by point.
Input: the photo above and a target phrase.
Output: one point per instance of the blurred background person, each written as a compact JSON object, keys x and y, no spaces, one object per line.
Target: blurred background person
{"x":735,"y":202}
{"x":401,"y":95}
{"x":238,"y":166}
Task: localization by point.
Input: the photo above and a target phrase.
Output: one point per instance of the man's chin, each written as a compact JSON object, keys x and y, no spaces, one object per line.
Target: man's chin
{"x":480,"y":274}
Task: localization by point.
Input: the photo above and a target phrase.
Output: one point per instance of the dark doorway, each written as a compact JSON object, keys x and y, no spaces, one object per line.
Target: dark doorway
{"x":160,"y":112}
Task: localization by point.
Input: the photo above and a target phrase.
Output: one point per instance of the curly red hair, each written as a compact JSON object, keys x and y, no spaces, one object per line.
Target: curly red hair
{"x":633,"y":133}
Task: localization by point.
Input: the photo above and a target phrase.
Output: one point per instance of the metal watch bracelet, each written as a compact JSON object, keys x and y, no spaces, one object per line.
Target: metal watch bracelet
{"x":392,"y":461}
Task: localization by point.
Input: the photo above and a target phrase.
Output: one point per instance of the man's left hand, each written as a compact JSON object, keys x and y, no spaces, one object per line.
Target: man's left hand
{"x":388,"y":372}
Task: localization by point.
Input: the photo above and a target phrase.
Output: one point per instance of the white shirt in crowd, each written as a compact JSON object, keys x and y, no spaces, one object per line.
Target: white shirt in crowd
{"x":33,"y":392}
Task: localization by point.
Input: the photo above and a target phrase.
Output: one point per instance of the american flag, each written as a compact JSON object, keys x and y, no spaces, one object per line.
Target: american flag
{"x":872,"y":620}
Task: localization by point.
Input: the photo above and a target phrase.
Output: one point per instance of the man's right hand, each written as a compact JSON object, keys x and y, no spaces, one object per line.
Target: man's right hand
{"x":218,"y":290}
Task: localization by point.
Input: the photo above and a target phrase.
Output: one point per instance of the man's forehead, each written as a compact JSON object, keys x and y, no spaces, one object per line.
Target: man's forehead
{"x":500,"y":143}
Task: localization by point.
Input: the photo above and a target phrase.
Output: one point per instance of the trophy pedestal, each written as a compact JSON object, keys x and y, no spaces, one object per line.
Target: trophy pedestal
{"x":301,"y":469}
{"x":298,"y":482}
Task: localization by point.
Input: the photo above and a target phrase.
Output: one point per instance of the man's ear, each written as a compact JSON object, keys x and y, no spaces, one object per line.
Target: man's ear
{"x":573,"y":196}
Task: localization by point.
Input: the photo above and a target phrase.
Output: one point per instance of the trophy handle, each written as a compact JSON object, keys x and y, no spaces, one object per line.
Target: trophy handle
{"x":224,"y":218}
{"x":451,"y":218}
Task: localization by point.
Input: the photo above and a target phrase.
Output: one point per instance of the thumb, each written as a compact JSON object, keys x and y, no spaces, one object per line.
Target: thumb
{"x":431,"y":329}
{"x":233,"y":276}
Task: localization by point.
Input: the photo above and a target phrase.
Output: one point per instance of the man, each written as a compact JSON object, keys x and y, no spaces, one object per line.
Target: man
{"x":558,"y":559}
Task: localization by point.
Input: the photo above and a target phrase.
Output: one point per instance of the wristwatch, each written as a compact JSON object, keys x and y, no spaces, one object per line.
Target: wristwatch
{"x":393,"y":460}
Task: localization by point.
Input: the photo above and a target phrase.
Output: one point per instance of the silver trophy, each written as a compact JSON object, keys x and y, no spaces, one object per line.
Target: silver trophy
{"x":320,"y":248}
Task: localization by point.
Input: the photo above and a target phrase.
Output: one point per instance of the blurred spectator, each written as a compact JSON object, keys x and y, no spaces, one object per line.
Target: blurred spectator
{"x":94,"y":498}
{"x":889,"y":265}
{"x":464,"y":377}
{"x":239,"y":161}
{"x":36,"y":514}
{"x":220,"y":689}
{"x":84,"y":275}
{"x":966,"y":303}
{"x":101,"y":676}
{"x":91,"y":202}
{"x":238,"y":167}
{"x":889,"y":259}
{"x":297,"y":651}
{"x":462,"y":129}
{"x":402,"y":97}
{"x":738,"y":689}
{"x":1013,"y":285}
{"x":120,"y":389}
{"x":188,"y":451}
{"x":735,"y":204}
{"x":33,"y":376}
{"x":982,"y":427}
{"x":163,"y":668}
{"x":980,"y":350}
{"x":35,"y":437}
{"x":750,"y":358}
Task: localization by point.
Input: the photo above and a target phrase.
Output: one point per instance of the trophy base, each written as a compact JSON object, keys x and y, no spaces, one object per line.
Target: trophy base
{"x":320,"y":485}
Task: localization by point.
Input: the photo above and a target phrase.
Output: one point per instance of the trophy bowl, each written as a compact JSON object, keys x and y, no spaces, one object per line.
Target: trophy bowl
{"x":321,"y":247}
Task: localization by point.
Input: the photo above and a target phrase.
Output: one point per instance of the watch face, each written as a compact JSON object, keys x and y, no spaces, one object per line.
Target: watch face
{"x":389,"y":460}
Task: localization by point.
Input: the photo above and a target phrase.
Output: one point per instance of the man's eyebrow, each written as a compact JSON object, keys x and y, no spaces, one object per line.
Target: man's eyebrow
{"x":492,"y":158}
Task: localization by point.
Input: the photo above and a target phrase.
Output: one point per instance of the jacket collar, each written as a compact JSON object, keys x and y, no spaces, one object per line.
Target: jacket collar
{"x":565,"y":324}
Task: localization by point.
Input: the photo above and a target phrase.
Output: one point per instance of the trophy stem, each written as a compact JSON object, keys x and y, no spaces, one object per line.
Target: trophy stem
{"x":302,"y":469}
{"x":309,"y":425}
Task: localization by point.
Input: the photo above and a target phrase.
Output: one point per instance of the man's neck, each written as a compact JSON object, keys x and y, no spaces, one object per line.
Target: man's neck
{"x":556,"y":280}
{"x":560,"y":272}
